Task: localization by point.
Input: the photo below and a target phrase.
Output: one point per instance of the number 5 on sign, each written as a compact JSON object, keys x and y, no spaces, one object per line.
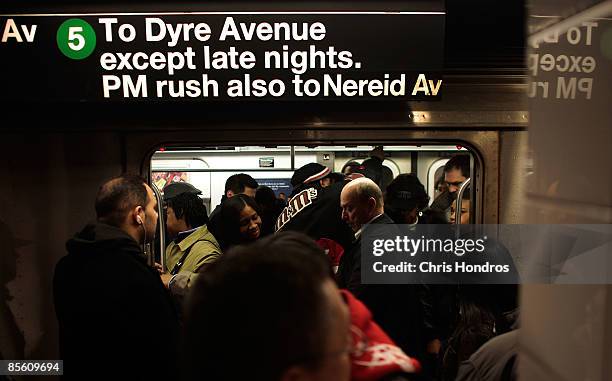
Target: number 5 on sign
{"x":76,"y":39}
{"x":76,"y":33}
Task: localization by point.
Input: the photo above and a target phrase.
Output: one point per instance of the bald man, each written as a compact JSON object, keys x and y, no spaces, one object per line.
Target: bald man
{"x":361,"y":201}
{"x":396,"y":308}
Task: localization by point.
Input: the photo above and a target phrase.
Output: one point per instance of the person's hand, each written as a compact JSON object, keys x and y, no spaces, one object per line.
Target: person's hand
{"x":159,"y":268}
{"x":165,"y":277}
{"x":378,"y":152}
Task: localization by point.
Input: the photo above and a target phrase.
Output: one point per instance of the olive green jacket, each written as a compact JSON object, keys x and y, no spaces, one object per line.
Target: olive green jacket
{"x":204,"y":249}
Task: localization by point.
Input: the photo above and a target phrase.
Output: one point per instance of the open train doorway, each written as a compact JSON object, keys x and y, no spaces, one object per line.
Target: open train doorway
{"x":208,"y":168}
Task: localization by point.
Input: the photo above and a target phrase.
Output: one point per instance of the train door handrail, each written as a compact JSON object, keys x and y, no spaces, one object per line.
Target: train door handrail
{"x":160,"y":223}
{"x":460,"y":192}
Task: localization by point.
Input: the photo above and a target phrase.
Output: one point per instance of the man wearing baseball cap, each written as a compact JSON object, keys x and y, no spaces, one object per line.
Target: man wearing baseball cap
{"x":193,"y":246}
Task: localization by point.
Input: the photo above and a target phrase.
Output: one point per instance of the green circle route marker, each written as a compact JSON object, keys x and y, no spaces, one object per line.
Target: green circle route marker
{"x":76,"y":39}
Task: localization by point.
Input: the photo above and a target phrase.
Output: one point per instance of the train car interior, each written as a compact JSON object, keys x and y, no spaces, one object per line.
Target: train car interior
{"x":208,"y":168}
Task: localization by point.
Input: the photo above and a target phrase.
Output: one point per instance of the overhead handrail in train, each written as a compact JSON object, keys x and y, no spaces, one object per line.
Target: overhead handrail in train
{"x":462,"y":188}
{"x":160,"y":223}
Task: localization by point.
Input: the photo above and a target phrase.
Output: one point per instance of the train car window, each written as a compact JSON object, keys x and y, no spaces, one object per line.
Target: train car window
{"x":390,"y":167}
{"x":435,"y":179}
{"x":208,"y":168}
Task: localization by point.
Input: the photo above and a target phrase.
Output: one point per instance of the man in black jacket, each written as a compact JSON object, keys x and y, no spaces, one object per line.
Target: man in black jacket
{"x":314,"y":209}
{"x":396,"y":308}
{"x":361,"y":201}
{"x":115,"y":316}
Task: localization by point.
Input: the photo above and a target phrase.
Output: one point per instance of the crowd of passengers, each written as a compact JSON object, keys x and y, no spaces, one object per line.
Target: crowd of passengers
{"x":269,"y":288}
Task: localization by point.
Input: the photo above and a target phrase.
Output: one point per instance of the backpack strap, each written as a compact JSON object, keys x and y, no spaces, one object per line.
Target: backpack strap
{"x":179,"y":264}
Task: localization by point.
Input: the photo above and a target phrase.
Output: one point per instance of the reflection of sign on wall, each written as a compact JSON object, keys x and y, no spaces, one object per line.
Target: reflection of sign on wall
{"x":266,"y":162}
{"x":564,"y":65}
{"x":570,"y":76}
{"x":277,"y":185}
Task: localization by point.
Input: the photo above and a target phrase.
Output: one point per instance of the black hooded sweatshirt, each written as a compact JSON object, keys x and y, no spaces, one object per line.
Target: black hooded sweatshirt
{"x":115,"y":316}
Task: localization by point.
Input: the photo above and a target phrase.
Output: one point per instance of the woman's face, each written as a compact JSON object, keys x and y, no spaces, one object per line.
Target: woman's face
{"x":250,"y":224}
{"x":465,"y":212}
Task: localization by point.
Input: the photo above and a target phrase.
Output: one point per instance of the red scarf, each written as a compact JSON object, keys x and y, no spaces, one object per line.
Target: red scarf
{"x":375,"y":355}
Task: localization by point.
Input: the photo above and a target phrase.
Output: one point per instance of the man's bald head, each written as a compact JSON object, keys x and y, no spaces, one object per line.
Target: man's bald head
{"x":364,"y":188}
{"x":361,"y":200}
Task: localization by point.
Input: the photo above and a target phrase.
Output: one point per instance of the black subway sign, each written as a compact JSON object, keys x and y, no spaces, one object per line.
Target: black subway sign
{"x":205,"y":56}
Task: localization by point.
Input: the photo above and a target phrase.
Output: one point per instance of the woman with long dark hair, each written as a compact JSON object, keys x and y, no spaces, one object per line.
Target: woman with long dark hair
{"x":239,"y":222}
{"x":485,"y":311}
